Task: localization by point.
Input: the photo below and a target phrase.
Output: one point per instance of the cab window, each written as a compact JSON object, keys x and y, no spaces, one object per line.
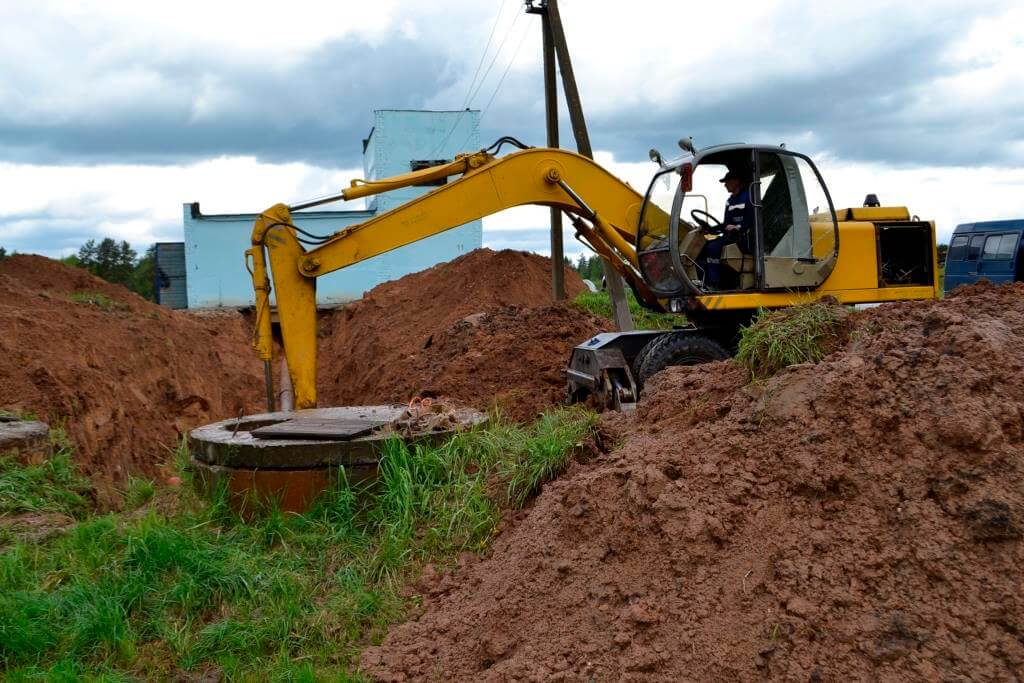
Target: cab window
{"x":957,"y":248}
{"x":999,"y":247}
{"x":974,"y":247}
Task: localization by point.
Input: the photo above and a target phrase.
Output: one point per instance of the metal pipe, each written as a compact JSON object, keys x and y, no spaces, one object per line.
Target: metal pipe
{"x":268,"y":378}
{"x":576,"y":198}
{"x":287,"y":393}
{"x":327,"y":199}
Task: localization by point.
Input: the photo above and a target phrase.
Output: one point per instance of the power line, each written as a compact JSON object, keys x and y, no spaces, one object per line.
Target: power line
{"x":483,"y":55}
{"x":469,"y":90}
{"x":508,"y":68}
{"x":501,"y":81}
{"x":508,"y":32}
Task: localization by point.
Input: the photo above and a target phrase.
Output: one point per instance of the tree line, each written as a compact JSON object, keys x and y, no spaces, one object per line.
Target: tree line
{"x":117,"y":262}
{"x":589,"y":267}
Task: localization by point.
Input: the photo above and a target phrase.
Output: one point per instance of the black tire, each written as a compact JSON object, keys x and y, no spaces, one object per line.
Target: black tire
{"x":675,"y":349}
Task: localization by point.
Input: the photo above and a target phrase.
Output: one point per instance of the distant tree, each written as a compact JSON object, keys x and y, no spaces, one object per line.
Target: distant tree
{"x":581,"y":265}
{"x":144,"y":275}
{"x":942,"y":250}
{"x":3,"y":253}
{"x":117,"y":262}
{"x":109,"y":260}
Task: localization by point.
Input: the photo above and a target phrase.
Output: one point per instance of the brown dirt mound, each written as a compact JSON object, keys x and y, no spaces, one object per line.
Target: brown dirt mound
{"x":860,"y":518}
{"x":127,"y":375}
{"x":478,"y":330}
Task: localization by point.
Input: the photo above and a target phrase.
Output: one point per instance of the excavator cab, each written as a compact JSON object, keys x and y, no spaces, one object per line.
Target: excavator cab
{"x":792,"y":245}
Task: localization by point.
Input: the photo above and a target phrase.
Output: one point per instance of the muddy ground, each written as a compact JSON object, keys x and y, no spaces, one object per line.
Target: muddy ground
{"x":124,"y":376}
{"x":856,"y":519}
{"x":480,"y":329}
{"x":859,"y":518}
{"x":127,"y":377}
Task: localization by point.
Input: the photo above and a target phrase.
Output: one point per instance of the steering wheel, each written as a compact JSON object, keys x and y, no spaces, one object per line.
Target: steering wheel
{"x":708,"y":223}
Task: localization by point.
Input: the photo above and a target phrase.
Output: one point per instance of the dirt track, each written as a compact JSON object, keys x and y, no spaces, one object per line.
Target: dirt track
{"x":858,"y":519}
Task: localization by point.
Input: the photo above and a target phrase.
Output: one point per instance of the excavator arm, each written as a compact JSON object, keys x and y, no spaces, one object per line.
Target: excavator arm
{"x":604,"y":210}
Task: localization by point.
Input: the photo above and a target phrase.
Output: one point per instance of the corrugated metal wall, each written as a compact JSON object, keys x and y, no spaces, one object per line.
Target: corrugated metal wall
{"x":170,"y":275}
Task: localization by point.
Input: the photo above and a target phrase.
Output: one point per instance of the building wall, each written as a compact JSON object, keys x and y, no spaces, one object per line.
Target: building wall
{"x":401,"y":136}
{"x":215,"y":244}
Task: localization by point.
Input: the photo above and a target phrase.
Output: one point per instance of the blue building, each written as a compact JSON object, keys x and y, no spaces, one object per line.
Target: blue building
{"x":400,"y":141}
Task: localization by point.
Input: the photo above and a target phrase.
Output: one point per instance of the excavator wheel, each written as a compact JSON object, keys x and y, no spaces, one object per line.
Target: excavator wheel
{"x":675,"y":349}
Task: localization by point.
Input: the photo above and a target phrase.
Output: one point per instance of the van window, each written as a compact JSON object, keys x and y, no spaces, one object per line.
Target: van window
{"x":974,"y":249}
{"x":999,"y":247}
{"x":957,"y":249}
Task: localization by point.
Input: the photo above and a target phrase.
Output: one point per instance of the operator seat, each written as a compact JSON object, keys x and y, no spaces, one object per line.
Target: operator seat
{"x":740,"y":263}
{"x":691,"y":245}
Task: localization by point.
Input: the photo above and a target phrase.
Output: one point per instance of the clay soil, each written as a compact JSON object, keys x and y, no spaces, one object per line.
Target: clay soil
{"x":125,"y":376}
{"x":479,"y":330}
{"x":860,"y":519}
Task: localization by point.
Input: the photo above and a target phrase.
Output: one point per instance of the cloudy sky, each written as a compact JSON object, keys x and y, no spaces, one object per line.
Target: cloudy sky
{"x":115,"y":113}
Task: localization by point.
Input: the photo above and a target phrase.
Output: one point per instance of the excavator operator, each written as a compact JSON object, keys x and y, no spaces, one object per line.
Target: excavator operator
{"x":736,"y":227}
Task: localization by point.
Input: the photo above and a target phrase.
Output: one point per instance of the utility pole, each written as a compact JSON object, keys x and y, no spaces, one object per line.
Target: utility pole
{"x":555,"y":46}
{"x":551,"y":113}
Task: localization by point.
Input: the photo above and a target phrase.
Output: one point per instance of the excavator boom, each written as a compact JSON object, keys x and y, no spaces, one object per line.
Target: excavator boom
{"x":604,"y":210}
{"x":794,"y":255}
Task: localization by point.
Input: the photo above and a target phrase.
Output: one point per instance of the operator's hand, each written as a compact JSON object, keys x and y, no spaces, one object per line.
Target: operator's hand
{"x":731,"y":228}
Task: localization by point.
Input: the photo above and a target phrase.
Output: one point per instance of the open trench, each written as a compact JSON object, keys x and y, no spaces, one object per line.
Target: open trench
{"x":127,"y":378}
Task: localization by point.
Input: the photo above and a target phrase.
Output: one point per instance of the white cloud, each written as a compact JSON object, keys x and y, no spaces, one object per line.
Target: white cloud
{"x":143,"y":204}
{"x":71,"y":63}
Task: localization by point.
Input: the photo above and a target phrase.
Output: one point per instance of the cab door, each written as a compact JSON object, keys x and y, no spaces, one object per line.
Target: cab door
{"x":797,"y":230}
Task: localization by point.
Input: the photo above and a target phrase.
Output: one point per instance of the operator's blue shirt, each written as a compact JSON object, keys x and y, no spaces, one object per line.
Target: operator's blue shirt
{"x":739,"y":211}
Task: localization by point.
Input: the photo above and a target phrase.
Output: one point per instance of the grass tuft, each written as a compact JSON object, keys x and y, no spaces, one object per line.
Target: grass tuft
{"x":805,"y":333}
{"x":600,"y":303}
{"x":100,"y":301}
{"x":173,"y":591}
{"x":52,"y":486}
{"x":138,"y":493}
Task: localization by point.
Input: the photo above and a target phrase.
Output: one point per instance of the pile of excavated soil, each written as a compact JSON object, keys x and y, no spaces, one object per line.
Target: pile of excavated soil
{"x":125,"y":376}
{"x":479,"y":330}
{"x":860,"y":518}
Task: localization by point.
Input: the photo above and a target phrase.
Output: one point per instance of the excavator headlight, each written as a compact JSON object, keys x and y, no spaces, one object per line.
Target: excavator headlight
{"x":676,"y":306}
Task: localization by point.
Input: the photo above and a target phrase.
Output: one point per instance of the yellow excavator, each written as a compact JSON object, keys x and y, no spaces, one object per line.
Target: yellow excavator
{"x":800,"y":248}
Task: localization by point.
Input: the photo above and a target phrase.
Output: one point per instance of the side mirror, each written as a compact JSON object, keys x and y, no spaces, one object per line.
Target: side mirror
{"x":686,"y":144}
{"x":656,"y":157}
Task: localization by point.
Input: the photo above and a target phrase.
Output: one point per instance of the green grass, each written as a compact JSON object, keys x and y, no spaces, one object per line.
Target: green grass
{"x":150,"y":594}
{"x":600,"y":303}
{"x":52,"y":486}
{"x":798,"y":334}
{"x":100,"y":301}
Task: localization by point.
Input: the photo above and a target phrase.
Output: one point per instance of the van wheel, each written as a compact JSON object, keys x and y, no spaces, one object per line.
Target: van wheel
{"x":675,"y":349}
